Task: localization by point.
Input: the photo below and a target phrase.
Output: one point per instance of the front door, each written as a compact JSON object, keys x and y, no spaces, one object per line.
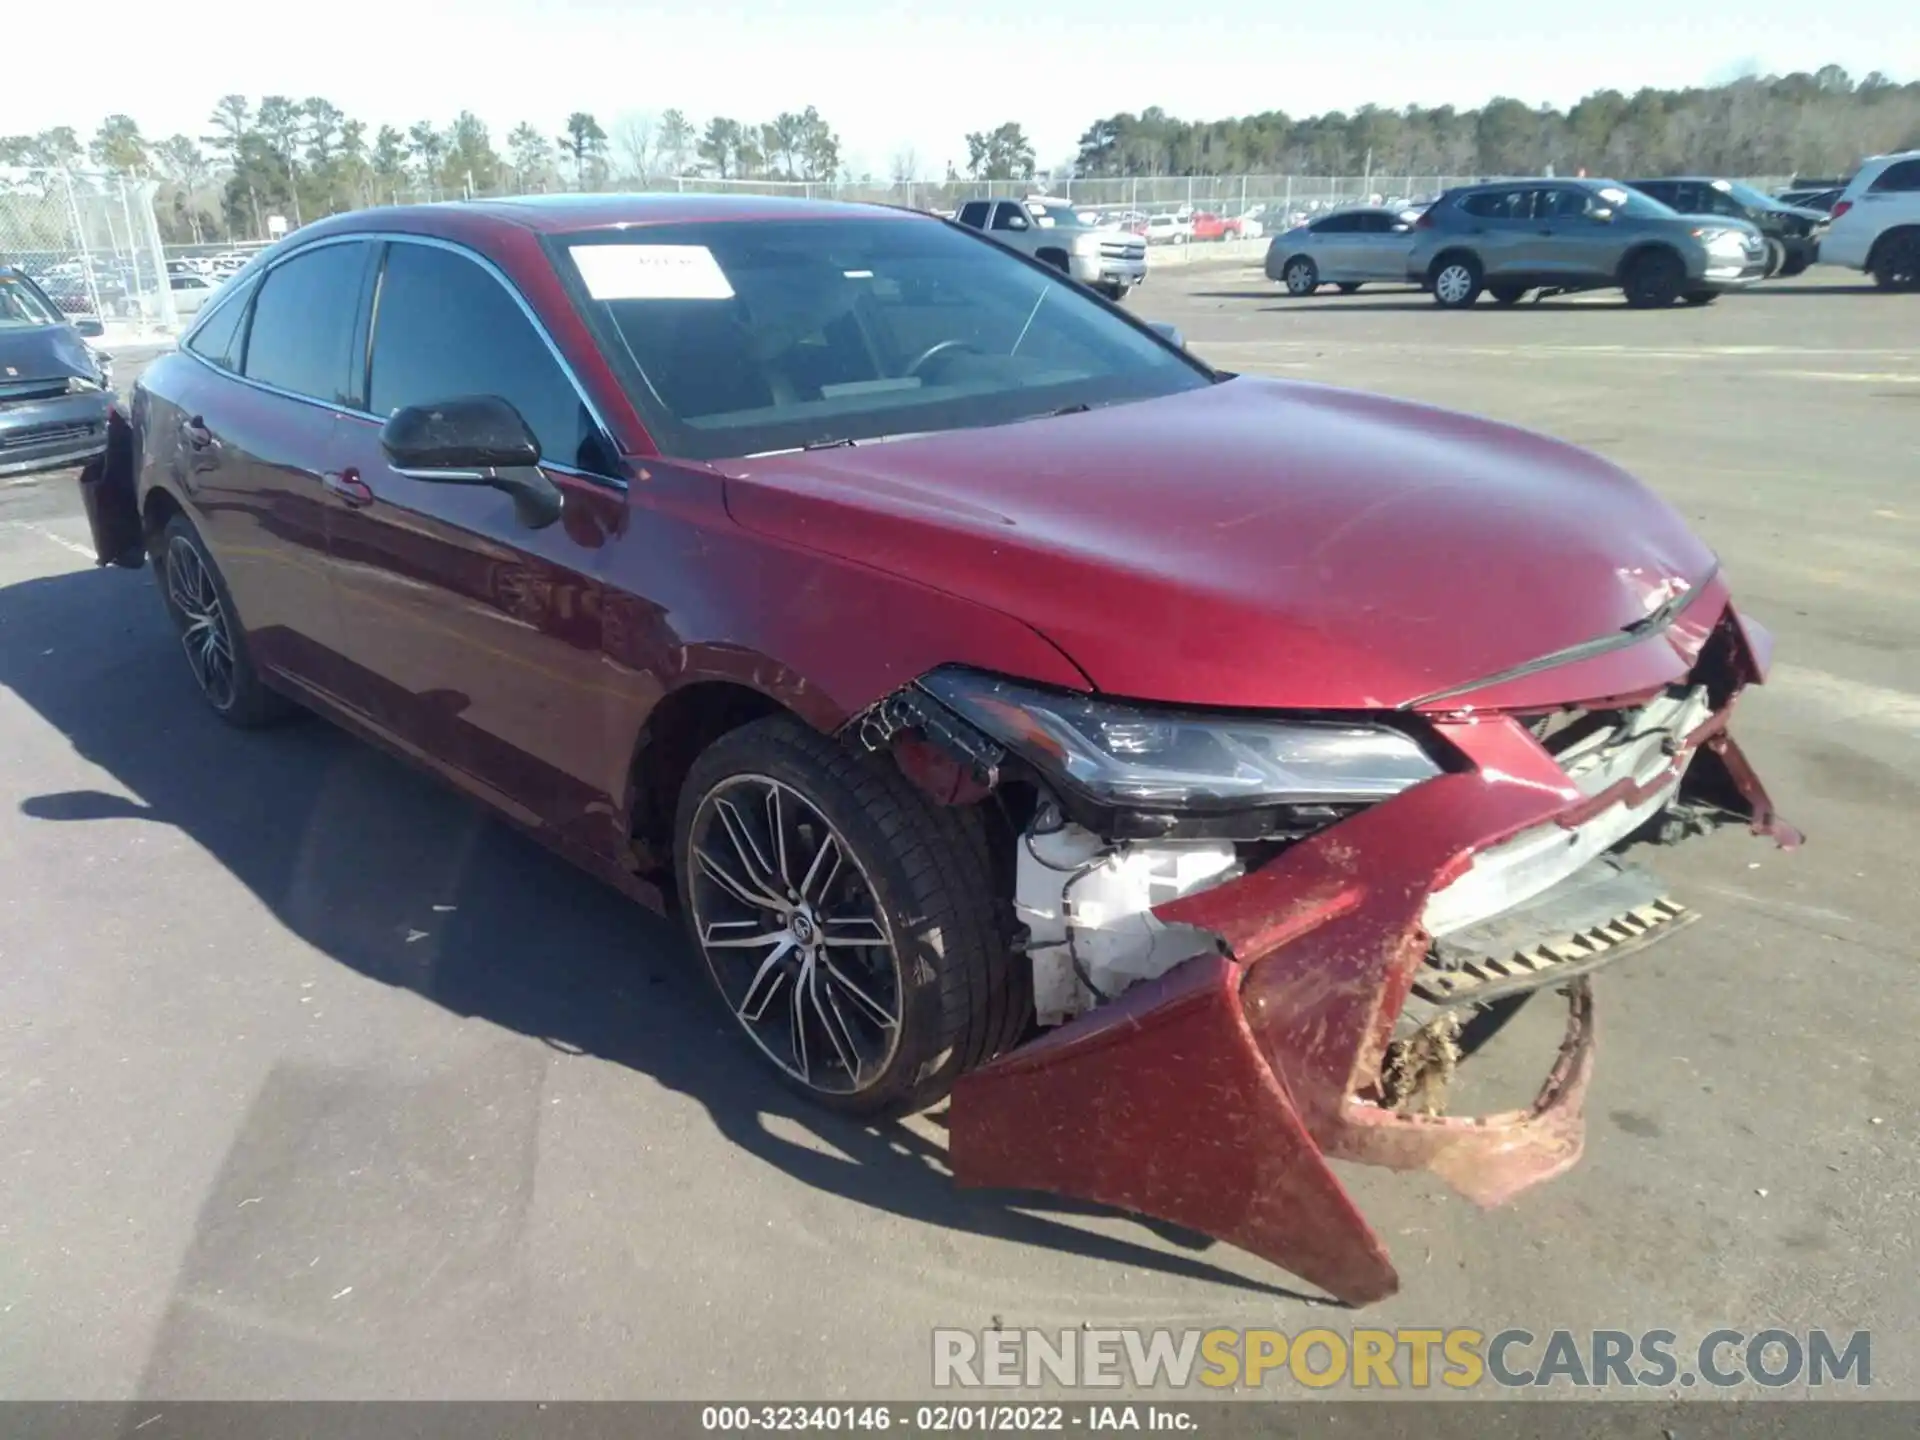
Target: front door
{"x":476,"y":640}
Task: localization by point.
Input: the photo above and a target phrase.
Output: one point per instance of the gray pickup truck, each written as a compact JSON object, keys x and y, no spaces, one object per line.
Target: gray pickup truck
{"x":1111,"y":261}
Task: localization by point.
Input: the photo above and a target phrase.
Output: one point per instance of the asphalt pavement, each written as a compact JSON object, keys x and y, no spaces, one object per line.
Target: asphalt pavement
{"x":317,"y":1082}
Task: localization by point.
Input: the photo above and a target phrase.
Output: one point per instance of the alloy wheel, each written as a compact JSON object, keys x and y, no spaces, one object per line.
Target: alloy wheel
{"x":793,"y":934}
{"x":1453,"y":284}
{"x":204,"y":632}
{"x":1300,"y":277}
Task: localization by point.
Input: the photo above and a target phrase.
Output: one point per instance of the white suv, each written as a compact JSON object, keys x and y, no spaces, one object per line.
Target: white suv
{"x":1876,"y":222}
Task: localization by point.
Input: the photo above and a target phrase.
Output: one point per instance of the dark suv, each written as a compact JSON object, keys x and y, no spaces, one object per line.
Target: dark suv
{"x":1792,"y":231}
{"x":1566,"y":235}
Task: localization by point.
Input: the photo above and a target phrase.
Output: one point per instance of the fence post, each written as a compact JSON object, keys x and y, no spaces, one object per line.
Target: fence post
{"x":80,"y":241}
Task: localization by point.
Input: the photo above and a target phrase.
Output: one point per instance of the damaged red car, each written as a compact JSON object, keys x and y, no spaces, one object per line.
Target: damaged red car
{"x":1177,"y":768}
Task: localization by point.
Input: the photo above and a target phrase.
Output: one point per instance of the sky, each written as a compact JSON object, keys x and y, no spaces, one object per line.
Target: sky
{"x":896,"y":77}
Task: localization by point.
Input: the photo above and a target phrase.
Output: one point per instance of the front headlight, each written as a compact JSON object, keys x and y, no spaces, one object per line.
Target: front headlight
{"x":1088,"y":244}
{"x":77,"y":385}
{"x":1130,"y":755}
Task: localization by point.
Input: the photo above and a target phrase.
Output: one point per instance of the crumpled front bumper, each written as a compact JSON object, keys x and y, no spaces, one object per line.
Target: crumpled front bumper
{"x":1215,"y":1096}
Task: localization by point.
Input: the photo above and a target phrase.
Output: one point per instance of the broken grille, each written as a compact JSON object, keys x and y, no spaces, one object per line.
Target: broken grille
{"x":1601,"y":913}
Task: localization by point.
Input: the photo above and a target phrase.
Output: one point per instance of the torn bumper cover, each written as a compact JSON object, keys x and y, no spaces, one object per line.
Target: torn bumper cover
{"x":1215,"y":1095}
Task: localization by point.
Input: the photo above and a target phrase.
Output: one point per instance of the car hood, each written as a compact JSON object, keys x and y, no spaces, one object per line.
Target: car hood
{"x":1261,"y":543}
{"x":44,"y":352}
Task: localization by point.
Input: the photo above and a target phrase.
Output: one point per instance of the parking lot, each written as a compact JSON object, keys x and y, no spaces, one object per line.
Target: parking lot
{"x":316,"y":1082}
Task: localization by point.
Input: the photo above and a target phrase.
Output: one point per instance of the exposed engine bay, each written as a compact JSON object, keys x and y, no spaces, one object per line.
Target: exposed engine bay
{"x":1226,"y":998}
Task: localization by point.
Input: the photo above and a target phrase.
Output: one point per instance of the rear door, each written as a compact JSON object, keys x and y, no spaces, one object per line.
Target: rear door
{"x":1333,"y":246}
{"x":475,"y":639}
{"x":244,"y":435}
{"x":1500,"y":230}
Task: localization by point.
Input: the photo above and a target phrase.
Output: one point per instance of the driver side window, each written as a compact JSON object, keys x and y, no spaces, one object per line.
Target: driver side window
{"x":1007,"y":216}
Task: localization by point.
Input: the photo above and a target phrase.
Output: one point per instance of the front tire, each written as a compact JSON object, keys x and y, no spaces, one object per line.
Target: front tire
{"x":1115,"y":291}
{"x":1301,"y":276}
{"x":1776,"y":258}
{"x":197,"y":601}
{"x":1654,"y":280}
{"x":1700,"y":297}
{"x":1349,"y":287}
{"x":1508,"y":294}
{"x":847,"y":923}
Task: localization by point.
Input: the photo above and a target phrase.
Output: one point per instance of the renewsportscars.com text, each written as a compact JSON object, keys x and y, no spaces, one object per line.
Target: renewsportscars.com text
{"x":1415,"y":1359}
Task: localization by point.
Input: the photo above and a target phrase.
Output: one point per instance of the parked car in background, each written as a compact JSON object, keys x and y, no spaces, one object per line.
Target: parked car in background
{"x":1792,"y":232}
{"x":1566,"y":235}
{"x":1812,"y":193}
{"x":190,"y":292}
{"x":971,"y":663}
{"x":1348,"y":248}
{"x":54,"y":388}
{"x":1167,"y":229}
{"x":1053,"y":233}
{"x":1876,"y":223}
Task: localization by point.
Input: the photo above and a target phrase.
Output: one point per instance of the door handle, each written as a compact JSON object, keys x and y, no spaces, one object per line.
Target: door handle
{"x":197,"y":434}
{"x":348,"y":485}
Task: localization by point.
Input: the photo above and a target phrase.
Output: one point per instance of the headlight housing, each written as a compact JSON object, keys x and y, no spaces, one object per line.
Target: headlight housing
{"x":1139,"y":757}
{"x":80,"y":385}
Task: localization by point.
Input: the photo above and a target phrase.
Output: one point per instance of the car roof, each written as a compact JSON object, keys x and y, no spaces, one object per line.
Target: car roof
{"x":560,"y":214}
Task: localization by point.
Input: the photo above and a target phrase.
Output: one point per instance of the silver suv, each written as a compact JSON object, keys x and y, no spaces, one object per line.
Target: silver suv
{"x":1565,"y":235}
{"x":1111,"y":261}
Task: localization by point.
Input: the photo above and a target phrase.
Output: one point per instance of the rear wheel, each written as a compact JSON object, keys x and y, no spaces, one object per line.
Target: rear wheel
{"x":1347,"y":287}
{"x":1700,"y":297}
{"x":1507,"y":294}
{"x":1456,"y":281}
{"x":847,"y":923}
{"x":1896,"y":261}
{"x":1654,"y":280}
{"x":1797,"y":262}
{"x":202,"y":612}
{"x":1301,"y":276}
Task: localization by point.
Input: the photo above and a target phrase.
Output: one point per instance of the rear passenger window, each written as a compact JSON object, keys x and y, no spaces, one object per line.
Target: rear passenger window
{"x":444,"y":327}
{"x":301,"y":339}
{"x":1333,"y":225}
{"x":218,"y":340}
{"x":1499,"y":204}
{"x":1903,"y":175}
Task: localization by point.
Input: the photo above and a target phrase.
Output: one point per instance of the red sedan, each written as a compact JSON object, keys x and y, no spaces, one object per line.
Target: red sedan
{"x":1182,"y":770}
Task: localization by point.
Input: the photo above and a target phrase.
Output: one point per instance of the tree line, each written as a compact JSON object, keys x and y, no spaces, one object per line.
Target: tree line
{"x":1807,"y":123}
{"x":305,"y":158}
{"x":302,"y":159}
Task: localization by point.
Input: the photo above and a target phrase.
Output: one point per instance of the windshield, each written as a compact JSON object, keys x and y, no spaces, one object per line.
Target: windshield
{"x":1747,"y":195}
{"x":742,"y":337}
{"x":21,"y":305}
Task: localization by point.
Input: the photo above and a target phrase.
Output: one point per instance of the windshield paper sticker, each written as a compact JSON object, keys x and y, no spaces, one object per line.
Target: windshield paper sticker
{"x":651,"y":272}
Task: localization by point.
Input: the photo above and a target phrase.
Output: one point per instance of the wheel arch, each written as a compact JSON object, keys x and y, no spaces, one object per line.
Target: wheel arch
{"x":1641,"y":249}
{"x":682,"y":724}
{"x":1450,"y":254}
{"x":1891,"y":234}
{"x":1053,"y":255}
{"x":157,"y":508}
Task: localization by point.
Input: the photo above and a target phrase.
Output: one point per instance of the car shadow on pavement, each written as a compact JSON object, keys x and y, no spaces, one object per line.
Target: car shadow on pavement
{"x":385,"y":870}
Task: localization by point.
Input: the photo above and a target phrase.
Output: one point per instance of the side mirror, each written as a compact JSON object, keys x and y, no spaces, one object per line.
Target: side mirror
{"x":473,"y":440}
{"x":1017,"y":222}
{"x":89,"y":328}
{"x":1601,"y":214}
{"x":1169,"y":333}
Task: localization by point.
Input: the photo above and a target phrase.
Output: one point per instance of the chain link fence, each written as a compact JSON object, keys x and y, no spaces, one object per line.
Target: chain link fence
{"x":91,"y":241}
